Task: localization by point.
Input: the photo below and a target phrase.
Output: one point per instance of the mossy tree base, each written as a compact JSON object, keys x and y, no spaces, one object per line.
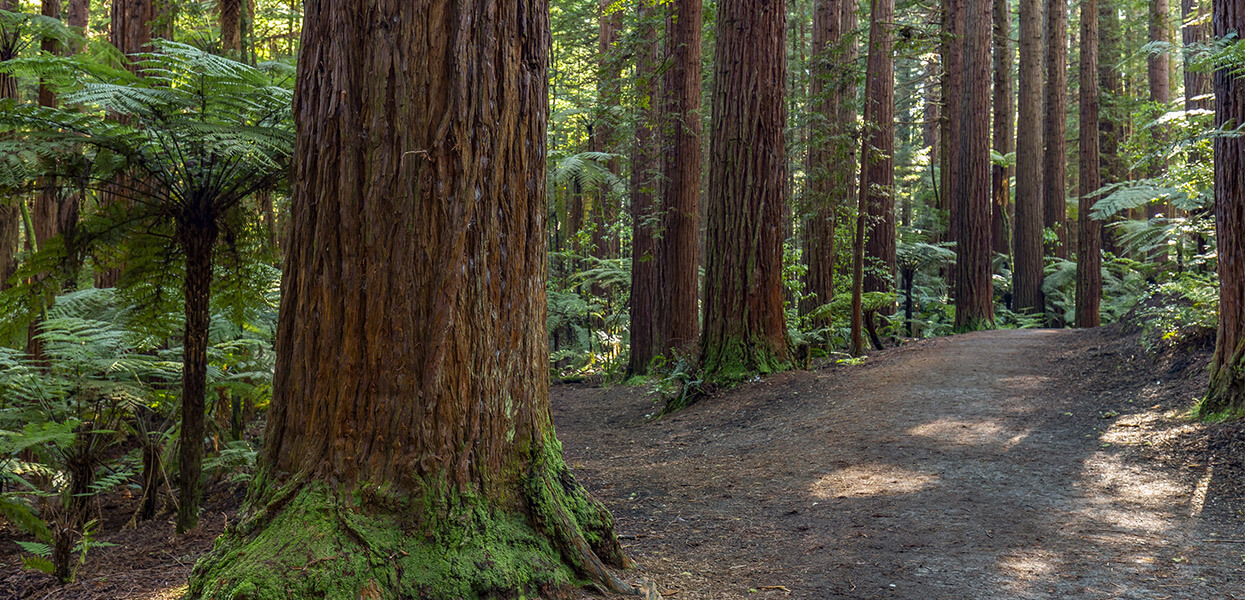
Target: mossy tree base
{"x":309,"y":541}
{"x":1225,"y":399}
{"x":736,"y":359}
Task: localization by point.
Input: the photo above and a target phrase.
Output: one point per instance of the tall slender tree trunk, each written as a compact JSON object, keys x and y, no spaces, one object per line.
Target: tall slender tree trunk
{"x":678,"y":269}
{"x":604,"y":209}
{"x":877,"y":157}
{"x":1089,"y":253}
{"x":829,"y":169}
{"x":646,"y":333}
{"x":1004,"y":128}
{"x":952,"y":99}
{"x":1055,"y":125}
{"x":10,"y":213}
{"x":1027,"y":275}
{"x":1158,"y":68}
{"x":1111,"y":92}
{"x":744,"y":327}
{"x":1227,"y":369}
{"x":974,"y":291}
{"x":1196,"y":30}
{"x":410,"y":435}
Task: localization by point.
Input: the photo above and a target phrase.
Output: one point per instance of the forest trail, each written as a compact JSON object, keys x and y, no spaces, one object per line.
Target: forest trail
{"x":1010,"y":464}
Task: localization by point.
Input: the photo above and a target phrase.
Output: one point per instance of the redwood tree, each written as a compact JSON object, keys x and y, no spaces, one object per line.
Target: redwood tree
{"x":831,"y":170}
{"x":10,"y":213}
{"x":1227,"y":370}
{"x":645,"y":329}
{"x":877,"y":155}
{"x":1004,"y":127}
{"x":678,"y":256}
{"x":1055,"y":124}
{"x":410,"y":449}
{"x":974,"y":290}
{"x":1089,"y":235}
{"x":1027,"y":274}
{"x":744,"y":328}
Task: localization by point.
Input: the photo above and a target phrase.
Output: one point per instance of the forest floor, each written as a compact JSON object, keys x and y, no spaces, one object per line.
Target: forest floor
{"x":994,"y":465}
{"x":1015,"y":464}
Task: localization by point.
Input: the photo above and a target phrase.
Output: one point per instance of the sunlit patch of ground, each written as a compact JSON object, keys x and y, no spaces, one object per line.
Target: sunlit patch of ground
{"x":871,"y":480}
{"x":968,"y":433}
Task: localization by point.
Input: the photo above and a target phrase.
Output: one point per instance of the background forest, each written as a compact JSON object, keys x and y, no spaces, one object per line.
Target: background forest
{"x":925,"y":169}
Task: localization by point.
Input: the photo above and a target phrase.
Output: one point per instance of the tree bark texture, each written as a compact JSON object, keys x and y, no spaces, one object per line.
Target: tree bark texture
{"x":646,"y":333}
{"x":1227,"y":372}
{"x":604,"y":208}
{"x":1055,"y":125}
{"x":1158,"y":68}
{"x":229,"y":13}
{"x":410,"y":433}
{"x":744,"y":328}
{"x":1089,"y":242}
{"x":952,"y":99}
{"x":831,"y":168}
{"x":197,"y":238}
{"x":1196,"y":30}
{"x":974,"y":290}
{"x":877,"y":155}
{"x":1004,"y":128}
{"x":1027,"y":274}
{"x":10,"y":213}
{"x":1111,"y":111}
{"x":678,"y":266}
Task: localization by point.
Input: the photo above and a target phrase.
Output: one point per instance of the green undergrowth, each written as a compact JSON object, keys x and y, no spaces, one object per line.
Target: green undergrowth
{"x":312,"y":542}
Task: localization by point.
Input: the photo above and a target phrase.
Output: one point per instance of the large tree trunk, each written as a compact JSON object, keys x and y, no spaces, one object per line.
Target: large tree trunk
{"x":952,"y":98}
{"x":1158,"y":68}
{"x":1227,"y":370}
{"x":410,"y":449}
{"x":678,"y":256}
{"x":646,"y":331}
{"x":831,"y":170}
{"x":1111,"y":92}
{"x":744,"y":327}
{"x":1027,"y":275}
{"x":1055,"y":125}
{"x":1089,"y":253}
{"x":877,"y":156}
{"x":974,"y":290}
{"x":604,"y":209}
{"x":1004,"y":127}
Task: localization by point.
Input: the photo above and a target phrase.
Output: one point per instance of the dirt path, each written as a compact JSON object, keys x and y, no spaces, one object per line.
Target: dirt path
{"x":1000,"y":465}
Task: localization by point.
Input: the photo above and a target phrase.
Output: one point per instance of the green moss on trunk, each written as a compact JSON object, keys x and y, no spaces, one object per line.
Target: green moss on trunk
{"x":737,"y":359}
{"x":1225,"y":400}
{"x":309,"y":541}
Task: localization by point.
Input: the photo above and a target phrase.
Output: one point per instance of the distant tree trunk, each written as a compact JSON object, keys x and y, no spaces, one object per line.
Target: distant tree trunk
{"x":1089,"y":253}
{"x":230,"y":14}
{"x":974,"y":291}
{"x":829,"y":170}
{"x":410,"y":434}
{"x":952,"y":98}
{"x":744,"y":327}
{"x":646,"y":333}
{"x":604,"y":210}
{"x":1110,"y":122}
{"x":1227,"y":369}
{"x":1055,"y":125}
{"x":1004,"y":127}
{"x":78,"y":17}
{"x":1197,"y":88}
{"x":877,"y":156}
{"x":678,"y":267}
{"x":10,"y":213}
{"x":130,"y":31}
{"x":1158,"y":68}
{"x":1028,"y":274}
{"x":930,"y":129}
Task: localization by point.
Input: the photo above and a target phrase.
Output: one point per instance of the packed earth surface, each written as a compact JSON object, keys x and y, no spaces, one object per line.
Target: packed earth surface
{"x":1009,"y":464}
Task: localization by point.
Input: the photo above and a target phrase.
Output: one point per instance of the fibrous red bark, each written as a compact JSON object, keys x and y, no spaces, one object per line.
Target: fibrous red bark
{"x":970,"y":191}
{"x":1027,"y":275}
{"x":1089,"y":241}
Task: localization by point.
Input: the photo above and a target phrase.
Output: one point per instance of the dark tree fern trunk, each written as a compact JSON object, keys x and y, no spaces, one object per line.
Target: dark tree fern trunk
{"x":1227,"y":372}
{"x":410,"y":450}
{"x":196,"y":234}
{"x":744,"y":327}
{"x":974,"y":291}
